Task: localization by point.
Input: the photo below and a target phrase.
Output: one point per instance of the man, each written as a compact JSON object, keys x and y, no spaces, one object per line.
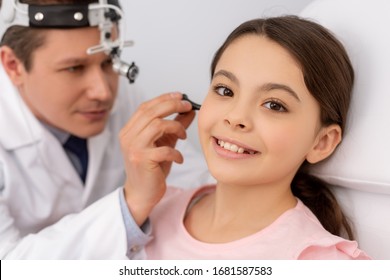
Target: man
{"x":61,"y":111}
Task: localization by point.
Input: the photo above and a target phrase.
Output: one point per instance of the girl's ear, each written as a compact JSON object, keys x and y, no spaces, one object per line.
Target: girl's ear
{"x":11,"y":64}
{"x":327,"y":140}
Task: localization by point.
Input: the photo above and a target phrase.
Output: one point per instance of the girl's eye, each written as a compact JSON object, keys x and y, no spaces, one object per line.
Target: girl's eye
{"x":223,"y":91}
{"x":275,"y":106}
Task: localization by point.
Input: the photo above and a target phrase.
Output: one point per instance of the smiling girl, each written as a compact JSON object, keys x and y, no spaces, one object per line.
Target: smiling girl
{"x":277,"y":103}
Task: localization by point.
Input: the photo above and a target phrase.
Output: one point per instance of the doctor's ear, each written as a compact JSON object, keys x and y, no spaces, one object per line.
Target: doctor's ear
{"x":12,"y":65}
{"x":326,"y":142}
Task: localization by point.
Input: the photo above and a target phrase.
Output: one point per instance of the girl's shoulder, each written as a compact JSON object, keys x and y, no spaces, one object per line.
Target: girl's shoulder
{"x":317,"y":242}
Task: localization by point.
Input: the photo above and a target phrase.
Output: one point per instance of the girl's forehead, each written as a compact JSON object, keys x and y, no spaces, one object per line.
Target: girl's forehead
{"x":259,"y":56}
{"x":257,"y":50}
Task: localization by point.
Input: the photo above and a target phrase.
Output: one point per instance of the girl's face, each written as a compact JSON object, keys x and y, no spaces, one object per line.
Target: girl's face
{"x":258,"y":121}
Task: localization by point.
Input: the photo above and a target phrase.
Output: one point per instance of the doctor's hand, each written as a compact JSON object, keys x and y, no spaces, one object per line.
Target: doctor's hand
{"x":148,"y":145}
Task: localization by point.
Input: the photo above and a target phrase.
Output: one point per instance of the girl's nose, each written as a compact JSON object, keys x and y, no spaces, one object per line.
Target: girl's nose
{"x":239,"y":117}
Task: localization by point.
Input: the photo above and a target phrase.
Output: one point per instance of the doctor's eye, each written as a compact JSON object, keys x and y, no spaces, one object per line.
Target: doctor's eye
{"x":275,"y":106}
{"x":107,"y":64}
{"x":75,"y":68}
{"x":223,"y":91}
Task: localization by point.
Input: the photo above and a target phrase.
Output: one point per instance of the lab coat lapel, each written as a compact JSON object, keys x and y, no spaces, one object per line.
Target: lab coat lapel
{"x":57,"y":162}
{"x":50,"y":173}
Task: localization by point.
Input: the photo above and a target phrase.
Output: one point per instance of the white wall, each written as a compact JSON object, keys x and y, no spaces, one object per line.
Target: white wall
{"x":176,"y":39}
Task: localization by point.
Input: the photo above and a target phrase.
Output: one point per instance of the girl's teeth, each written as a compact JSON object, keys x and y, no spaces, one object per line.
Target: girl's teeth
{"x":231,"y":147}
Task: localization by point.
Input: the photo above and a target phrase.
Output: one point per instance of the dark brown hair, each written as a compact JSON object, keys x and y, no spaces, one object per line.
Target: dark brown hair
{"x":329,"y":76}
{"x":25,"y":40}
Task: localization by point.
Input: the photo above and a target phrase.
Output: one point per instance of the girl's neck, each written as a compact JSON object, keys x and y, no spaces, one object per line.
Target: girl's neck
{"x":234,"y":212}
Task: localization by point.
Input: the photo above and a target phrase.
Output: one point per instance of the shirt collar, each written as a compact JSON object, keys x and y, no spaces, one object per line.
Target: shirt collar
{"x":61,"y":135}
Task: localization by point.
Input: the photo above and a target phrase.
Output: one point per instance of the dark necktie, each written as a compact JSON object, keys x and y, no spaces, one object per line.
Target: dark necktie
{"x":78,"y":148}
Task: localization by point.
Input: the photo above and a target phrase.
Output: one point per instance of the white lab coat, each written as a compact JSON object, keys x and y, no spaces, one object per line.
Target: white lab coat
{"x":39,"y":186}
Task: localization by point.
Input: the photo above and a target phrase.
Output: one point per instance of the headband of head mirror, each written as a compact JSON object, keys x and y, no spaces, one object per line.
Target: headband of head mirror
{"x":55,"y":16}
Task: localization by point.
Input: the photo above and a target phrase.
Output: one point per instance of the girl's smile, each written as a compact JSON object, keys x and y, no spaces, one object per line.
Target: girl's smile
{"x":232,"y":149}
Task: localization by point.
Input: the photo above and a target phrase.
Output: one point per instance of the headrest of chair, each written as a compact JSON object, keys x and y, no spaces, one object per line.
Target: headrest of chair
{"x":362,"y":161}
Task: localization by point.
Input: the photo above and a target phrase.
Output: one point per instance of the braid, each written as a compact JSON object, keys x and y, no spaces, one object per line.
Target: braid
{"x":317,"y":196}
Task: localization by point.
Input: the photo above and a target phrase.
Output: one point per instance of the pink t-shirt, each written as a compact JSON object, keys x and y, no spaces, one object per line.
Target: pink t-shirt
{"x":296,"y":234}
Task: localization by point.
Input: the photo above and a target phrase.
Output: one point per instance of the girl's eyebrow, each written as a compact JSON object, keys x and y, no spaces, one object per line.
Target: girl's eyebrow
{"x":275,"y":86}
{"x":266,"y":87}
{"x":226,"y":74}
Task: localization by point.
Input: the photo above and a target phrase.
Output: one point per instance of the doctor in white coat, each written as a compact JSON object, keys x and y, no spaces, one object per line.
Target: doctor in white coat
{"x":47,"y":211}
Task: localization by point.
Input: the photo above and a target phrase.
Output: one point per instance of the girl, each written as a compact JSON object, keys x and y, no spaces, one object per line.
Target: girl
{"x":277,"y":103}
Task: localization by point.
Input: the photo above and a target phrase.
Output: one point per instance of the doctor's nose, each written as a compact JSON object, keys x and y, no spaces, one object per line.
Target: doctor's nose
{"x":99,"y":85}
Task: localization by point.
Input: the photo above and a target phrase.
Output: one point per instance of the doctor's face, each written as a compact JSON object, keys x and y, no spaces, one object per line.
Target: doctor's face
{"x":66,"y":87}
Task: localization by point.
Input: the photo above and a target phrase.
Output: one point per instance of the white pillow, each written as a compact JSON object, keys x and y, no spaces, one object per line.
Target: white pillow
{"x":362,"y":161}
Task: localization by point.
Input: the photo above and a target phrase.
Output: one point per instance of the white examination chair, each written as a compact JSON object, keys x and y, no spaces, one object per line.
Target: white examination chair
{"x":360,"y":169}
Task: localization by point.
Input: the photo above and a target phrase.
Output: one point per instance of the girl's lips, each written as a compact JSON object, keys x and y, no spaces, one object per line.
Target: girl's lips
{"x":232,"y":149}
